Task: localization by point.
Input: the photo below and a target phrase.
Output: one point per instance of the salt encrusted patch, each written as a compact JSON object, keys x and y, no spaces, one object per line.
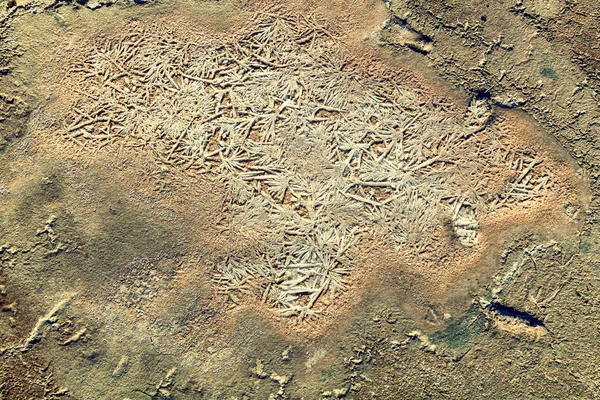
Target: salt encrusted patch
{"x":313,"y":152}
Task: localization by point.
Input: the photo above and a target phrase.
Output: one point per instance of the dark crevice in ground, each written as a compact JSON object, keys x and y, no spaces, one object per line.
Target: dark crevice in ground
{"x":507,"y":311}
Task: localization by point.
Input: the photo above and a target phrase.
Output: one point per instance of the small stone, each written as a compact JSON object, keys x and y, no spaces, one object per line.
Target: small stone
{"x":281,"y":380}
{"x":339,"y":393}
{"x":121,"y":367}
{"x":259,"y":370}
{"x":508,"y":101}
{"x":93,"y":4}
{"x":22,"y":3}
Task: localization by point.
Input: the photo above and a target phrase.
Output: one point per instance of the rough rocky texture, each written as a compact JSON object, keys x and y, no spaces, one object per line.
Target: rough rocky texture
{"x":112,"y":220}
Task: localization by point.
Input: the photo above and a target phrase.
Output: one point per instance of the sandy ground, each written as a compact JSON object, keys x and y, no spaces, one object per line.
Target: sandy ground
{"x":112,"y":251}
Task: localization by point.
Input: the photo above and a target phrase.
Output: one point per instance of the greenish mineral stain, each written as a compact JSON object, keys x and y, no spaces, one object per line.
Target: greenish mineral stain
{"x":548,"y":72}
{"x":585,"y":247}
{"x":460,"y":331}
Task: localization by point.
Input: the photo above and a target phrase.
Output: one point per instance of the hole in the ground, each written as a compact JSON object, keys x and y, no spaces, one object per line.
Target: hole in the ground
{"x":507,"y":311}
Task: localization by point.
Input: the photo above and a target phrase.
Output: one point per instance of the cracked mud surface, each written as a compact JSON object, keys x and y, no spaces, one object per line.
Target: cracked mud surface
{"x":254,"y":200}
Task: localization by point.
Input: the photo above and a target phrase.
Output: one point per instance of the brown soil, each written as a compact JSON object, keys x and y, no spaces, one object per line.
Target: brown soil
{"x":139,"y":238}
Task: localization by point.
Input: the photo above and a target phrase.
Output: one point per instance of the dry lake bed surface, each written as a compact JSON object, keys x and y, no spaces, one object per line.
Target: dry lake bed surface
{"x":358,"y":199}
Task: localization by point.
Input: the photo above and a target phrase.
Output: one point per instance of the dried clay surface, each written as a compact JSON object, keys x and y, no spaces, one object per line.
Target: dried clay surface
{"x":296,"y":200}
{"x":316,"y":148}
